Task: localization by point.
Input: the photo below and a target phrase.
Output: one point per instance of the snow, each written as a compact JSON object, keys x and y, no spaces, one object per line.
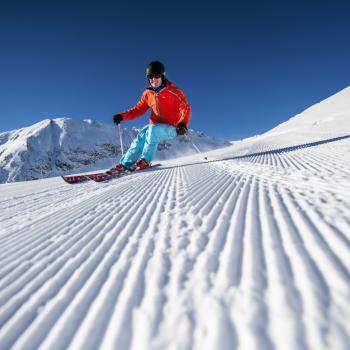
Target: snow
{"x":248,"y":249}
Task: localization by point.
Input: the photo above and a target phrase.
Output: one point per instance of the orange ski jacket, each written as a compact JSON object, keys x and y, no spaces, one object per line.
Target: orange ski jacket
{"x":169,"y":106}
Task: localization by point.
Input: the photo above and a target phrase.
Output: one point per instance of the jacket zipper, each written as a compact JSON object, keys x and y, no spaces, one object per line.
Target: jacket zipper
{"x":157,"y":107}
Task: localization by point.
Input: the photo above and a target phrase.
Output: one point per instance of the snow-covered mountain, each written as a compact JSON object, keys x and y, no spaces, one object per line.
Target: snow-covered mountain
{"x":247,"y":249}
{"x":327,"y":119}
{"x":60,"y":146}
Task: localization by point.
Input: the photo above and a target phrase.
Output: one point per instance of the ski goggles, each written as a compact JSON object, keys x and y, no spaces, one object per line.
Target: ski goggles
{"x":151,"y":76}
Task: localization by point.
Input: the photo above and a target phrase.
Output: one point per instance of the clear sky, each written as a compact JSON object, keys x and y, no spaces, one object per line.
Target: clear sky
{"x":245,"y":66}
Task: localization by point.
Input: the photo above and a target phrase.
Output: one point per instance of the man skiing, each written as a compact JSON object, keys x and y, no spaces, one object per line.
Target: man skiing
{"x":170,"y":116}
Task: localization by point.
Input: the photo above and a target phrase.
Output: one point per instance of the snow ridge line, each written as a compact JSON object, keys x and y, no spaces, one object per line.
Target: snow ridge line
{"x":328,"y":259}
{"x":96,"y":192}
{"x":189,"y":266}
{"x":43,"y":231}
{"x":38,"y":207}
{"x":150,"y":313}
{"x":114,"y":289}
{"x":283,"y":299}
{"x":309,"y":280}
{"x":302,"y":160}
{"x":43,"y":278}
{"x":292,"y":148}
{"x":284,"y":160}
{"x":106,"y":312}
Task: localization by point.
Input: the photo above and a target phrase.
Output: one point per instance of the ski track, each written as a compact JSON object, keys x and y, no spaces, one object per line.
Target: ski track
{"x":248,"y":254}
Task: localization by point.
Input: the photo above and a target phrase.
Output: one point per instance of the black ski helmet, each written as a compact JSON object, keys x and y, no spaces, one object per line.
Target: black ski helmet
{"x":155,"y":67}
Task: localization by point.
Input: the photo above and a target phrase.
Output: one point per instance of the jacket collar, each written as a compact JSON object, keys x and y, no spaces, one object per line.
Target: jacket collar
{"x":167,"y":84}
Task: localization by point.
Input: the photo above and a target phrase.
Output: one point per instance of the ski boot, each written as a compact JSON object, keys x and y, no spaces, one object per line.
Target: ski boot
{"x":142,"y":164}
{"x":119,"y":168}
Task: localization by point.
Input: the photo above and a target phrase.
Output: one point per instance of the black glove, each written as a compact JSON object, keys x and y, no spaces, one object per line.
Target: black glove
{"x":181,"y":129}
{"x":117,"y":118}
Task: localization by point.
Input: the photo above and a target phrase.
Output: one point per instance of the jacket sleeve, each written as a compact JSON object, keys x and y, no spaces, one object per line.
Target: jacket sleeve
{"x":139,"y":109}
{"x":184,"y":109}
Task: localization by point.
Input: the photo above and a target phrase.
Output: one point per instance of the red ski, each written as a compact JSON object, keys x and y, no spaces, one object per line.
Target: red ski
{"x":73,"y":179}
{"x":103,"y":176}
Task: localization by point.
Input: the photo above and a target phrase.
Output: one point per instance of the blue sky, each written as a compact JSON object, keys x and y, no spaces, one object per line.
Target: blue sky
{"x":244,"y":66}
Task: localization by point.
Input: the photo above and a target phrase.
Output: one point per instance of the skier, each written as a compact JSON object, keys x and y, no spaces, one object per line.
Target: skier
{"x":170,"y":116}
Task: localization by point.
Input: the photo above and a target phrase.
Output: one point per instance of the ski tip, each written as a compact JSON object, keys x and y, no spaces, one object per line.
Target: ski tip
{"x":74,"y":179}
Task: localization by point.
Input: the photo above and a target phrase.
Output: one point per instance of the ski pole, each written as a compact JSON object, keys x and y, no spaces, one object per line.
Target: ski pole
{"x":194,"y":146}
{"x":121,"y":139}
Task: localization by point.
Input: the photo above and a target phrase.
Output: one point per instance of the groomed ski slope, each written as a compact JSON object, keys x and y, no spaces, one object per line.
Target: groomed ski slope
{"x":242,"y":253}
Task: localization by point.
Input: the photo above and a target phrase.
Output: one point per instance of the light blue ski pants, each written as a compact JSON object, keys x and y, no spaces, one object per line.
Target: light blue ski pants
{"x":145,"y":144}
